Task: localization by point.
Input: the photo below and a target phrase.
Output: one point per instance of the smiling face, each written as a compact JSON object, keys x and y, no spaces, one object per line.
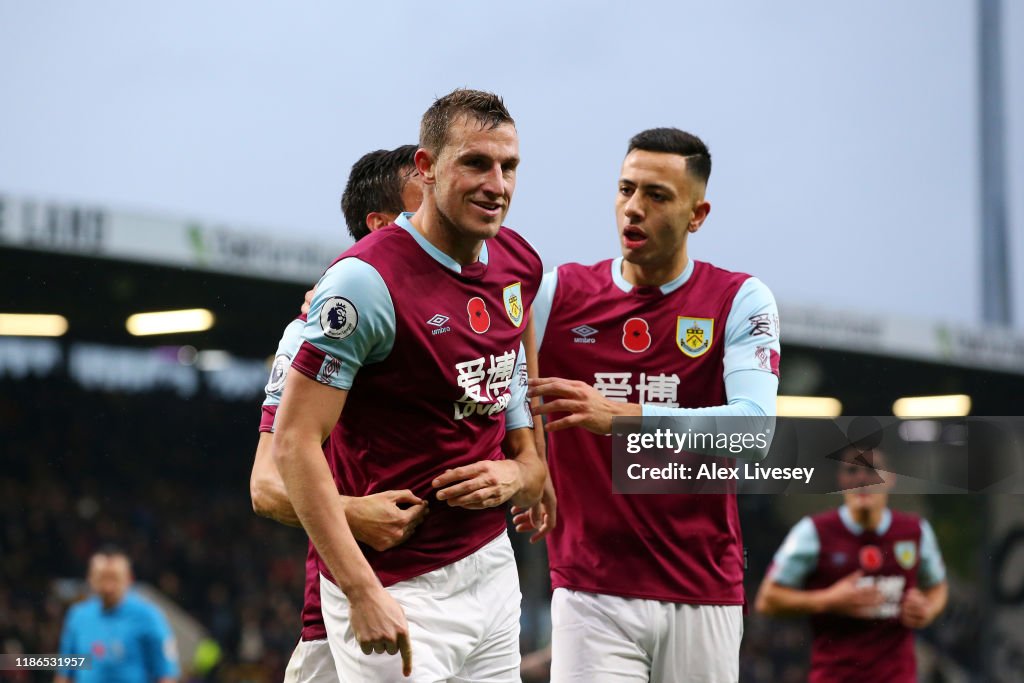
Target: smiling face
{"x":472,"y":177}
{"x":659,"y":203}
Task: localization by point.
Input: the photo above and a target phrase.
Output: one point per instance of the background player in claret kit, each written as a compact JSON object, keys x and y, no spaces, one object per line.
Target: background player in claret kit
{"x":648,"y":587}
{"x":865,"y":573}
{"x":127,"y":636}
{"x":382,"y":184}
{"x":419,"y":324}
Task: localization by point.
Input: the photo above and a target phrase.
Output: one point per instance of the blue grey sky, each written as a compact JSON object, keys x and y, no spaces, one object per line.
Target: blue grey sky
{"x":844,"y":135}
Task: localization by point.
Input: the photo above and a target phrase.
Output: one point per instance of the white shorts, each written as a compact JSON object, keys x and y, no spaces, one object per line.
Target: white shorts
{"x":463,"y":623}
{"x":311,"y":662}
{"x":608,"y":639}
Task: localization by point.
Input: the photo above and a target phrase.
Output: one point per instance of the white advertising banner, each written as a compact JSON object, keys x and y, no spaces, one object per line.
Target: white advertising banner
{"x":96,"y":231}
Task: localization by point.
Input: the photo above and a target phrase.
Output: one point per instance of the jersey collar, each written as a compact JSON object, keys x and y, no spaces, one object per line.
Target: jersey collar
{"x":856,"y":529}
{"x":444,"y":259}
{"x":666,"y":288}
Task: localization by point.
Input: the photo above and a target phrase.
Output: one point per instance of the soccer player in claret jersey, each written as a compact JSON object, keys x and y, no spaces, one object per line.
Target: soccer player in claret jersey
{"x":647,"y":587}
{"x":381,"y":185}
{"x":867,"y":575}
{"x":407,"y":363}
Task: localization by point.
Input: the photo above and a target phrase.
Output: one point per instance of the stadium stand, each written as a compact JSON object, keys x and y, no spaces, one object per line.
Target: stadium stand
{"x":147,"y":442}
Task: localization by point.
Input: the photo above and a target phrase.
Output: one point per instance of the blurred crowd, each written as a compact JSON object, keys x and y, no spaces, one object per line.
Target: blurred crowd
{"x":167,"y":480}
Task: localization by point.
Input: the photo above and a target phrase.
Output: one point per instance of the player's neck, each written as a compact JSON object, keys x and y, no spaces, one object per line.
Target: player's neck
{"x":653,"y":275}
{"x":437,"y":230}
{"x":869,"y":519}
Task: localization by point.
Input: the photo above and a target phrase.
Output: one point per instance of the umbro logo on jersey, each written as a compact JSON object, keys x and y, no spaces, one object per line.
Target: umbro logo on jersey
{"x":583,"y":334}
{"x":439,"y":321}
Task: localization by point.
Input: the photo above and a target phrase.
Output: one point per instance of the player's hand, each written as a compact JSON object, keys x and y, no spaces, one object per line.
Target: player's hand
{"x":586,"y":406}
{"x":484,"y":484}
{"x":915,"y":610}
{"x":379,"y":625}
{"x":307,"y":302}
{"x":383,"y":520}
{"x":540,"y":518}
{"x":848,"y":598}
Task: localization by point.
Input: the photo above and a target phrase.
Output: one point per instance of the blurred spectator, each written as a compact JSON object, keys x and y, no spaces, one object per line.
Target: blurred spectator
{"x":127,"y":637}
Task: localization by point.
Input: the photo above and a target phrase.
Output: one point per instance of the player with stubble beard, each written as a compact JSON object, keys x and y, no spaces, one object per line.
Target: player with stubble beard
{"x":410,"y":351}
{"x":381,"y":185}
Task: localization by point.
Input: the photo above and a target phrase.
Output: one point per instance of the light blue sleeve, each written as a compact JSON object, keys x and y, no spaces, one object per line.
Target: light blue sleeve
{"x":352,"y":318}
{"x":518,"y":414}
{"x":286,"y":350}
{"x":68,"y":641}
{"x":542,"y":304}
{"x":797,"y":557}
{"x":931,"y":570}
{"x":752,"y":330}
{"x":749,"y":393}
{"x":161,"y":650}
{"x":751,"y":358}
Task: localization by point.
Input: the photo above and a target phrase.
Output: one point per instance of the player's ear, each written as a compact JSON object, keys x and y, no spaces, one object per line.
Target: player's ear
{"x":425,"y":161}
{"x":700,"y":213}
{"x":376,"y":220}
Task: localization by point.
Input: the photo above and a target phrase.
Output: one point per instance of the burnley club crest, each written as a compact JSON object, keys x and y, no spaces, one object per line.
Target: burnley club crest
{"x":513,"y":297}
{"x":694,"y":335}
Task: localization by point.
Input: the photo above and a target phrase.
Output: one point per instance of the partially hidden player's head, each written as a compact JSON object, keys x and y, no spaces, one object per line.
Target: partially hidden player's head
{"x":865,"y":483}
{"x":660,"y":199}
{"x":468,"y":155}
{"x":110,"y":575}
{"x":382,"y":184}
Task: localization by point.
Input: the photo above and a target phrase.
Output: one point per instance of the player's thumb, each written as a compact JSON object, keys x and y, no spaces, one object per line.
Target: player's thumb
{"x":405,"y":496}
{"x":854,"y":576}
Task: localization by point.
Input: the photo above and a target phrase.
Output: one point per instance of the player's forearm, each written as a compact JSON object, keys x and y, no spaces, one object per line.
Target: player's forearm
{"x":270,"y":499}
{"x":310,"y":487}
{"x":520,"y":447}
{"x":749,"y":410}
{"x":937,"y":597}
{"x":266,"y":489}
{"x":532,"y":371}
{"x":777,"y":600}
